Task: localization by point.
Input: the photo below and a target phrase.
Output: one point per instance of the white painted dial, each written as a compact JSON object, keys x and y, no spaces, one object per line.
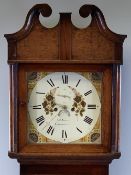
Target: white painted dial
{"x":64,"y":106}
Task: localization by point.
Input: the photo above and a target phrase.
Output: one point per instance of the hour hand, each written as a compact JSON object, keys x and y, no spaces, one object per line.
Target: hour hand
{"x":64,"y":111}
{"x":65,"y":96}
{"x":60,"y":105}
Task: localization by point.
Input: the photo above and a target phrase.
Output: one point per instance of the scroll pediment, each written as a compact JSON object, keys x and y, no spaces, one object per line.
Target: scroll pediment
{"x":65,"y":42}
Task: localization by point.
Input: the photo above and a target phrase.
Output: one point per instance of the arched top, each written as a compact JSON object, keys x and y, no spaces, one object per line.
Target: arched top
{"x":96,"y":34}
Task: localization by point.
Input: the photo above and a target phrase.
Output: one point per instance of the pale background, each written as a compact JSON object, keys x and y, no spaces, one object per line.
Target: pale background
{"x":118,"y":18}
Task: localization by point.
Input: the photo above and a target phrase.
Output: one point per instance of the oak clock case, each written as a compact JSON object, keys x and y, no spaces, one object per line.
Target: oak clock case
{"x":64,"y":94}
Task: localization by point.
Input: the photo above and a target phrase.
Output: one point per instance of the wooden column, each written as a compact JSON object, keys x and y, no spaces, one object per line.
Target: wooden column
{"x":65,"y":37}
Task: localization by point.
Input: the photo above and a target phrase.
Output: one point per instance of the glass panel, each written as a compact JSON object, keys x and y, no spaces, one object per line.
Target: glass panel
{"x":64,"y":107}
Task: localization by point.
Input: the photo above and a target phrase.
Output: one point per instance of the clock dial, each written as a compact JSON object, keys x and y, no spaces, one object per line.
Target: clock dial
{"x":64,"y":106}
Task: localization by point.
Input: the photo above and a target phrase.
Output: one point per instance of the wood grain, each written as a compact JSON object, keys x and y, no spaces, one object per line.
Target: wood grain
{"x":94,"y":46}
{"x":41,"y":43}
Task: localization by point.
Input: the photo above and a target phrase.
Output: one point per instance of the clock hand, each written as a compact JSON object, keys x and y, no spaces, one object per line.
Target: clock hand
{"x":54,"y":117}
{"x":65,"y":96}
{"x":64,"y":111}
{"x":51,"y":120}
{"x":62,"y":106}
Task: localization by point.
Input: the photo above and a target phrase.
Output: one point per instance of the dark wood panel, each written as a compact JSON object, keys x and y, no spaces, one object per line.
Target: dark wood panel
{"x":64,"y":170}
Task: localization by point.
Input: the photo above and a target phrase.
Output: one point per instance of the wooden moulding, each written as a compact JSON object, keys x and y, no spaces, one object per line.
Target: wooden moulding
{"x":65,"y":159}
{"x":65,"y":42}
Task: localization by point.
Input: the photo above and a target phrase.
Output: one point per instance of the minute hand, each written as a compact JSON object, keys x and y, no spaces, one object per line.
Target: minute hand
{"x":51,"y":120}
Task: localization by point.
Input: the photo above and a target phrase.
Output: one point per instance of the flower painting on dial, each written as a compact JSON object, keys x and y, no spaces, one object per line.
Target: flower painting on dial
{"x":64,"y":107}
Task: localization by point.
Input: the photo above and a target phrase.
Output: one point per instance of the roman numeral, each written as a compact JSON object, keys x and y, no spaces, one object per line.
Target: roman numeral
{"x":91,"y":106}
{"x":65,"y":79}
{"x":78,"y":83}
{"x":40,"y":120}
{"x":50,"y":130}
{"x":50,"y":82}
{"x":78,"y":130}
{"x":88,"y":120}
{"x":88,"y":92}
{"x":37,"y":107}
{"x":40,"y":93}
{"x":64,"y":134}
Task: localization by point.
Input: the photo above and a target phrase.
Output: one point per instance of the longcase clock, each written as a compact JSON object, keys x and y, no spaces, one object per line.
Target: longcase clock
{"x":64,"y":94}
